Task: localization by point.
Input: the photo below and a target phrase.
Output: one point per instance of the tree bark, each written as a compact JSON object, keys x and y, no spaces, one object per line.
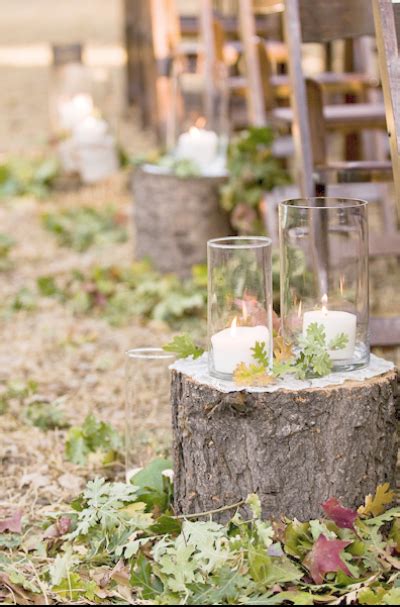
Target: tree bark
{"x":294,"y":449}
{"x":174,"y":217}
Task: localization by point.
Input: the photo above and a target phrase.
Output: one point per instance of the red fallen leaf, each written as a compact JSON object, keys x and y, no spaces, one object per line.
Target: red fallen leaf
{"x":325,"y":558}
{"x":13,"y":523}
{"x":59,"y":528}
{"x":343,"y":517}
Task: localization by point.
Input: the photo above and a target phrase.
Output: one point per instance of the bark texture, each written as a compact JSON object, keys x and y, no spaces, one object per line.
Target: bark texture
{"x":174,"y":218}
{"x":294,"y":449}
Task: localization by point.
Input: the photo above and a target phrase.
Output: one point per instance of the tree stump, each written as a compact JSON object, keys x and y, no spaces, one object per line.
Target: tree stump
{"x":174,"y":217}
{"x":294,"y":449}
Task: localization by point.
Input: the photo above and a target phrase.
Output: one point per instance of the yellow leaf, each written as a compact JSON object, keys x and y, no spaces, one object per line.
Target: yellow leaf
{"x":282,"y":350}
{"x":133,"y":509}
{"x":376,"y":505}
{"x":252,"y":375}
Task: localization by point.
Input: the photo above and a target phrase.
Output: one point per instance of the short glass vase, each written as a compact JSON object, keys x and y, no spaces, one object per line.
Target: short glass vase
{"x":239,"y":302}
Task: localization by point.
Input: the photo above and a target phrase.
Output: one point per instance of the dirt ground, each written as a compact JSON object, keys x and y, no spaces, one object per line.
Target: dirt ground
{"x":80,"y":361}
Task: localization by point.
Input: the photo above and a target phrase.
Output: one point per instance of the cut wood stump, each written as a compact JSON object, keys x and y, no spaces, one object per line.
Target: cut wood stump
{"x":295,"y":449}
{"x":174,"y":217}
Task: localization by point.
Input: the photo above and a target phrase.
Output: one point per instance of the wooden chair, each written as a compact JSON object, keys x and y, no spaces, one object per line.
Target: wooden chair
{"x":314,"y":21}
{"x":265,"y":85}
{"x":320,"y":21}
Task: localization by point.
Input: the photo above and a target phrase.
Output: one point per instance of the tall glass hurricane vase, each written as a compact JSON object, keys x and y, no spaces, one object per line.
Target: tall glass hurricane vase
{"x":148,"y":428}
{"x":324,"y":275}
{"x":239,"y":302}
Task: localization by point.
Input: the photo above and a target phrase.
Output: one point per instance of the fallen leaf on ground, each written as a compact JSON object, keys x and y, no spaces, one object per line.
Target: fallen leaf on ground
{"x":341,"y":516}
{"x":325,"y":558}
{"x":376,"y":504}
{"x":12,"y":523}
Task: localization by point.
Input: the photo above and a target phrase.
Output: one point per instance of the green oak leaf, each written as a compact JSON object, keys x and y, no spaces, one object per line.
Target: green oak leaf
{"x":183,"y":346}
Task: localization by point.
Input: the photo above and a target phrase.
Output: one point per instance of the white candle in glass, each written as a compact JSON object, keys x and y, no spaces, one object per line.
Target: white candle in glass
{"x":91,"y":130}
{"x":96,"y":150}
{"x":198,"y":145}
{"x":73,"y":111}
{"x":334,"y":323}
{"x":233,"y":346}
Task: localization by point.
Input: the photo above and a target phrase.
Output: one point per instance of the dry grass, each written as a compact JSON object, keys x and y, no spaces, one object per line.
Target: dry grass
{"x":80,"y":361}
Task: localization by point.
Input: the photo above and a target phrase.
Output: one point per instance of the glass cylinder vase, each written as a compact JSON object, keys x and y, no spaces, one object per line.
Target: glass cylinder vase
{"x":324,"y":275}
{"x":148,"y":428}
{"x":239,"y":302}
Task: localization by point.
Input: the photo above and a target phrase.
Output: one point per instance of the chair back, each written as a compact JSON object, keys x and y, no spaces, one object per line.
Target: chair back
{"x":316,"y":21}
{"x":255,"y":96}
{"x":325,"y":21}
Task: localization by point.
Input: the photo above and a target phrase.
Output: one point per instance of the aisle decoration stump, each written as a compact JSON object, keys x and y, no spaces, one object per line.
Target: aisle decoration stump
{"x":294,"y":447}
{"x":297,"y":411}
{"x":174,"y":217}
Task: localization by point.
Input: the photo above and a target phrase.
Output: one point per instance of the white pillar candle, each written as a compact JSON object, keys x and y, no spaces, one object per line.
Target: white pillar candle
{"x":91,"y":130}
{"x":96,"y":150}
{"x":334,"y":322}
{"x":73,"y":111}
{"x":198,"y":145}
{"x":234,"y":345}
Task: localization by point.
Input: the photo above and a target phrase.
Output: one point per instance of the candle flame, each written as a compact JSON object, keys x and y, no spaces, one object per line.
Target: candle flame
{"x":244,"y":311}
{"x":341,"y":284}
{"x":200,"y":122}
{"x":324,"y":302}
{"x":233,"y":327}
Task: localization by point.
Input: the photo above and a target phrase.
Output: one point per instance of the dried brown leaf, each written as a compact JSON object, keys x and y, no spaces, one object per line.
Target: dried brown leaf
{"x":283,"y":352}
{"x":375,"y":505}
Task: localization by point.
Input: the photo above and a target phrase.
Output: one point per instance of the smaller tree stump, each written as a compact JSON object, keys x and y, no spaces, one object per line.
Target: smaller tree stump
{"x":295,"y":449}
{"x":174,"y":217}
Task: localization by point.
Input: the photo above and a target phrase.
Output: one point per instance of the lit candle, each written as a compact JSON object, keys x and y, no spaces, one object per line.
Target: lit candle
{"x":95,"y":149}
{"x":334,"y":323}
{"x":198,"y":145}
{"x":233,"y":346}
{"x":91,"y":130}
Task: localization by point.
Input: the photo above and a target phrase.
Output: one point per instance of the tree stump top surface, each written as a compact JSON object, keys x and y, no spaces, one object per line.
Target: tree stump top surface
{"x":154,"y":170}
{"x":197,"y":371}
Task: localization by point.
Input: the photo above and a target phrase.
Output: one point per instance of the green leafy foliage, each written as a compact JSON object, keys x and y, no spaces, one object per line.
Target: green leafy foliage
{"x":181,"y":167}
{"x":339,"y":342}
{"x":6,"y":245}
{"x":260,"y":353}
{"x":153,"y":485}
{"x":23,"y":176}
{"x":123,"y":541}
{"x":84,"y":227}
{"x":22,"y":399}
{"x":183,"y":346}
{"x":252,"y":171}
{"x":312,"y":360}
{"x":46,"y":416}
{"x":92,"y":437}
{"x":24,"y":299}
{"x":120,"y":294}
{"x":16,"y":391}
